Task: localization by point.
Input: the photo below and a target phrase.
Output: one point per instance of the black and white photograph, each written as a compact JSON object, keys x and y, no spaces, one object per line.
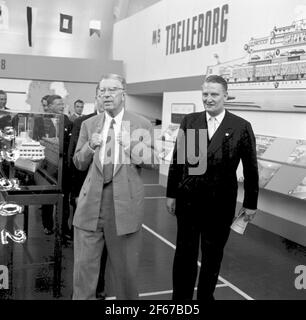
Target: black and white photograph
{"x":153,"y":151}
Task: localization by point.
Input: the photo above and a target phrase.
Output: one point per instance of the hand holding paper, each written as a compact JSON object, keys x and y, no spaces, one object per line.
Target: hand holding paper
{"x":244,"y":216}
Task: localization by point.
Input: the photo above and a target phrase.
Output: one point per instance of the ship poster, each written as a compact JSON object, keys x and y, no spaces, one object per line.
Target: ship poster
{"x":270,"y":73}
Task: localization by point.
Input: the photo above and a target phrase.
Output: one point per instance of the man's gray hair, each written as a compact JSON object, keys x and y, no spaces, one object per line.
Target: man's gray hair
{"x":115,"y":77}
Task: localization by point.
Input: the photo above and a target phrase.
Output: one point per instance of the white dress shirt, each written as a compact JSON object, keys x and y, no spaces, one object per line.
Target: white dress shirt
{"x":117,"y":129}
{"x":213,"y":123}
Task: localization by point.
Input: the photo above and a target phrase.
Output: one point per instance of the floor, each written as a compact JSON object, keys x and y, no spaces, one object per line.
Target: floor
{"x":256,"y":266}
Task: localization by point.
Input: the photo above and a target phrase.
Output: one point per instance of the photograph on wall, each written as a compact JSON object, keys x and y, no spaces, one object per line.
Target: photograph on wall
{"x":179,"y":110}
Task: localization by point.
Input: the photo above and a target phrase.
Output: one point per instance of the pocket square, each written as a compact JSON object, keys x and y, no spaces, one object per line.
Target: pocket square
{"x":227,"y":134}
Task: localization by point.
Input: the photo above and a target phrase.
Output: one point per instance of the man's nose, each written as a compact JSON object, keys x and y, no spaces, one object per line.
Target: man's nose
{"x":209,"y":98}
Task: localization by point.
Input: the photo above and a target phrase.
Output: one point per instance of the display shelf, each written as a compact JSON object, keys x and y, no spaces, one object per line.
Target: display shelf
{"x":281,"y":165}
{"x":31,"y":162}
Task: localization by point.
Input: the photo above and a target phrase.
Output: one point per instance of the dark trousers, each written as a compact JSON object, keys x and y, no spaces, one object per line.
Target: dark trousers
{"x":195,"y":227}
{"x":47,"y":216}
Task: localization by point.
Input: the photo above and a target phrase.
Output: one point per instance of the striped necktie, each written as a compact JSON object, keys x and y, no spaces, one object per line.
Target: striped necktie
{"x":109,"y":154}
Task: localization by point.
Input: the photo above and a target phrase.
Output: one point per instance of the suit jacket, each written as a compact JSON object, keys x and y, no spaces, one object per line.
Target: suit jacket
{"x":42,"y":127}
{"x":127,"y":184}
{"x":77,"y":176}
{"x":233,"y":141}
{"x":74,"y":117}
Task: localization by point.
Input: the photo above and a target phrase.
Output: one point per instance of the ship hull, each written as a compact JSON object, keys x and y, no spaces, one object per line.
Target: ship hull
{"x":286,"y":96}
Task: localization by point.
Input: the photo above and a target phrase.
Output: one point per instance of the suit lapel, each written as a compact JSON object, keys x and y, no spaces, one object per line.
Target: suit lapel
{"x":223,"y":132}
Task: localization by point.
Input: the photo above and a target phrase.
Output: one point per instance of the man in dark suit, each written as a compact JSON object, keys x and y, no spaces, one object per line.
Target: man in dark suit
{"x":56,"y":105}
{"x":205,"y":203}
{"x":77,"y":176}
{"x":5,"y":118}
{"x":78,"y":110}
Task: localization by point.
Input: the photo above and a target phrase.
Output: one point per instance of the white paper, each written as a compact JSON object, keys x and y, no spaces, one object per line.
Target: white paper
{"x":239,"y":225}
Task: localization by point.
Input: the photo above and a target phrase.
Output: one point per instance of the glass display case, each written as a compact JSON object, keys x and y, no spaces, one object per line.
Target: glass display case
{"x":31,"y":168}
{"x":31,"y":147}
{"x":281,"y":165}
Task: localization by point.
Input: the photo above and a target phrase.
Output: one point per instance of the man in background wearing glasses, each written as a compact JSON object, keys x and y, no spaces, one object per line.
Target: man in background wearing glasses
{"x":110,"y":206}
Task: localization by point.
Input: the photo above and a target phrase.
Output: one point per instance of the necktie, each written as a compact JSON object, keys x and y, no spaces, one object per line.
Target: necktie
{"x":212,"y":127}
{"x":109,"y":154}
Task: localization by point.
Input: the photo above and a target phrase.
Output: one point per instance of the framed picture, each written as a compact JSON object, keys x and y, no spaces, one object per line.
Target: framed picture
{"x":179,"y":110}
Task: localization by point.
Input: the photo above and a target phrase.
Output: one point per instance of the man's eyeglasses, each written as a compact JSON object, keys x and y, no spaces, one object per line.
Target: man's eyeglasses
{"x":111,"y":90}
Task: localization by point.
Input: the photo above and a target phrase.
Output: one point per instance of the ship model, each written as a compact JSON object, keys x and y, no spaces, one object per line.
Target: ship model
{"x":272,"y":64}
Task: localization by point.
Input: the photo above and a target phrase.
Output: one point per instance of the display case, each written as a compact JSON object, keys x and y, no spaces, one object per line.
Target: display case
{"x":281,"y":162}
{"x":281,"y":165}
{"x":31,"y":165}
{"x":31,"y":147}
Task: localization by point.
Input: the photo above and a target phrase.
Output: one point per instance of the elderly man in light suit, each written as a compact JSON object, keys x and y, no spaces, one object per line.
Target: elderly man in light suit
{"x":110,"y":207}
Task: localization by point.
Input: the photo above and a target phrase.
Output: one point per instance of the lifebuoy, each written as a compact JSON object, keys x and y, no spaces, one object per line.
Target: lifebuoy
{"x":277,"y":52}
{"x":272,"y":41}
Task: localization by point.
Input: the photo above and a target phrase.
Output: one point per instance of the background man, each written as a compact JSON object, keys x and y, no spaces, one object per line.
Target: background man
{"x":78,"y":110}
{"x":56,"y":105}
{"x":111,"y":202}
{"x":205,"y":204}
{"x":44,"y":102}
{"x":5,"y":118}
{"x":3,"y":100}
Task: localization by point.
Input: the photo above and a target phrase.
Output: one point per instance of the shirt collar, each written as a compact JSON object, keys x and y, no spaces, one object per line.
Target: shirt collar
{"x":219,"y":117}
{"x":117,"y":118}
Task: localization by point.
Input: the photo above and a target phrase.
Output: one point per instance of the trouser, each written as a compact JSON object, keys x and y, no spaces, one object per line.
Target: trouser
{"x":213,"y":236}
{"x":47,"y":216}
{"x":123,"y":255}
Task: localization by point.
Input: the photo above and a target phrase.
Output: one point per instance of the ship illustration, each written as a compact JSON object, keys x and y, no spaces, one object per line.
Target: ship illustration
{"x":275,"y":65}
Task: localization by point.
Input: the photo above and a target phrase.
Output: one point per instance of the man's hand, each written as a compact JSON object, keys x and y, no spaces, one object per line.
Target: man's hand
{"x":171,"y":206}
{"x":249,"y":214}
{"x":95,"y":141}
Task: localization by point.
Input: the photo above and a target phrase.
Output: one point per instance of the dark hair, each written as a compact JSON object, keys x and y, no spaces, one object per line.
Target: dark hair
{"x":45,"y":98}
{"x":2,"y":92}
{"x":216,"y":79}
{"x":78,"y":101}
{"x":53,"y":97}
